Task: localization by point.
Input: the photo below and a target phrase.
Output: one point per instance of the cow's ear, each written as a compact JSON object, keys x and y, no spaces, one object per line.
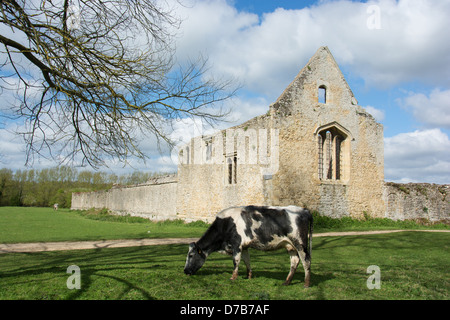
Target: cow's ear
{"x":199,"y":251}
{"x":192,"y":245}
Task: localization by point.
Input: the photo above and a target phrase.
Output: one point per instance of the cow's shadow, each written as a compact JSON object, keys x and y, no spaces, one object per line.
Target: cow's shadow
{"x":316,"y":278}
{"x":299,"y":277}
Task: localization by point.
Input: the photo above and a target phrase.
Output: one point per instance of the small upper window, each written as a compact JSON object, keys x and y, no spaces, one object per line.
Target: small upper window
{"x":322,"y":94}
{"x":232,"y":169}
{"x":208,"y":149}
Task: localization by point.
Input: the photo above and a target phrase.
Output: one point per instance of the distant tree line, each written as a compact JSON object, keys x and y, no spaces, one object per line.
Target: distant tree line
{"x":45,"y":187}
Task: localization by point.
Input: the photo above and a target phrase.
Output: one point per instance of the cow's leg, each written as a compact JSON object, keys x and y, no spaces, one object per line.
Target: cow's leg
{"x":236,"y":261}
{"x":246,"y":257}
{"x":305,"y":256}
{"x":294,"y":263}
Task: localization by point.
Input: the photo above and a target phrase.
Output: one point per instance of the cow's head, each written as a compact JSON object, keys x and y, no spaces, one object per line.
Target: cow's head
{"x":195,"y":259}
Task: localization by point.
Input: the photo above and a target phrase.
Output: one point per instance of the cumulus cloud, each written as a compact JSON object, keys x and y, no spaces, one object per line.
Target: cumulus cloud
{"x":267,"y":53}
{"x":11,"y":149}
{"x":376,"y":113}
{"x":433,"y":110}
{"x":418,"y":156}
{"x":245,"y":108}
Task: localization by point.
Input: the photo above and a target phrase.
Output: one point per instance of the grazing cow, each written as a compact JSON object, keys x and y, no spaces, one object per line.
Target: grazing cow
{"x":264,"y":228}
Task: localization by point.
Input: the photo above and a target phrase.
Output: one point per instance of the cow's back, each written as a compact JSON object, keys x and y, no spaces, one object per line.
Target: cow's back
{"x":266,"y":228}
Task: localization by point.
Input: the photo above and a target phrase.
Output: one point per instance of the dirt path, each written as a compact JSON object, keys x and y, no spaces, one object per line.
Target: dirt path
{"x":76,"y":245}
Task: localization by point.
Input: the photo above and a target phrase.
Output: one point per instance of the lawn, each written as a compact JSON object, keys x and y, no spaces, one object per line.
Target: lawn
{"x":21,"y":224}
{"x":413,"y":265}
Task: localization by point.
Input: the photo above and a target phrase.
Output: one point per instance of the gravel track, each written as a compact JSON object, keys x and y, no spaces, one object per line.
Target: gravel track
{"x":78,"y":245}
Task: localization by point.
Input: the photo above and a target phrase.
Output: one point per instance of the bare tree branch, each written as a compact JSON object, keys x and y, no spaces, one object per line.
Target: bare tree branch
{"x":101,"y":76}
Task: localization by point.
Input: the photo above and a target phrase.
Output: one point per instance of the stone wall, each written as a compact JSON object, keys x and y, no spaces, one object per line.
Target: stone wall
{"x":157,"y":200}
{"x":417,"y":201}
{"x":154,"y":200}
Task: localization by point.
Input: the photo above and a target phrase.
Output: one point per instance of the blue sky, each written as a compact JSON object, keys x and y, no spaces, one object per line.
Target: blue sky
{"x":267,"y":6}
{"x":392,"y":54}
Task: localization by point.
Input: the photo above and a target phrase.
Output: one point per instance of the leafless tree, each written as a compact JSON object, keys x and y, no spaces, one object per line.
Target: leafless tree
{"x":92,"y":76}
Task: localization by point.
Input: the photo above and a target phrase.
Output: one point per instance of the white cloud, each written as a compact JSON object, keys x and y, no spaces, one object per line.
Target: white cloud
{"x":243,"y":109}
{"x":11,"y":149}
{"x":376,"y":113}
{"x":432,"y":110}
{"x":418,"y":156}
{"x":266,"y":54}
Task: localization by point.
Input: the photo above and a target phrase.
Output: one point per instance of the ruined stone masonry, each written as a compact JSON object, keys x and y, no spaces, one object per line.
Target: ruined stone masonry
{"x":417,"y":201}
{"x":315,"y":147}
{"x":155,"y":200}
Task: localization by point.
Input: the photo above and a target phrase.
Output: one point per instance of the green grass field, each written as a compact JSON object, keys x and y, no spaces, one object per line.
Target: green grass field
{"x":19,"y":224}
{"x":413,"y":265}
{"x":22,"y":224}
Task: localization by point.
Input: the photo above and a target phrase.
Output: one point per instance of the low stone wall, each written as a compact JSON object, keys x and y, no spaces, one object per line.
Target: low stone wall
{"x":155,"y":200}
{"x":417,"y":201}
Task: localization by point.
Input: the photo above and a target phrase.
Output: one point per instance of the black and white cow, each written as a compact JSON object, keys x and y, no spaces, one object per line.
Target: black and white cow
{"x":264,"y":228}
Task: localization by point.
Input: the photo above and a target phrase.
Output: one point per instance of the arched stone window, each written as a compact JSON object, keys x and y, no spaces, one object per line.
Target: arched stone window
{"x":320,"y":147}
{"x":334,"y":153}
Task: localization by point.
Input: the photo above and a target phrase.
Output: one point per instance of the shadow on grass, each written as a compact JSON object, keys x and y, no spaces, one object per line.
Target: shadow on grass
{"x":267,"y":275}
{"x":128,"y":287}
{"x":111,"y":265}
{"x":157,"y":272}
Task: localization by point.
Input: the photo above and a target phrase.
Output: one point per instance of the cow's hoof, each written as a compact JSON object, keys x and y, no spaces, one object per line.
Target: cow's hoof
{"x":286,"y":283}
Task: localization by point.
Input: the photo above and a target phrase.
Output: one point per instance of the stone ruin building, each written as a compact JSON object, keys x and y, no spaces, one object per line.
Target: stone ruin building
{"x":315,"y":147}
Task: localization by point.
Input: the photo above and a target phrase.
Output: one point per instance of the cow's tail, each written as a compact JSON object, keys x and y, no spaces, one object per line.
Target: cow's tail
{"x":310,"y":233}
